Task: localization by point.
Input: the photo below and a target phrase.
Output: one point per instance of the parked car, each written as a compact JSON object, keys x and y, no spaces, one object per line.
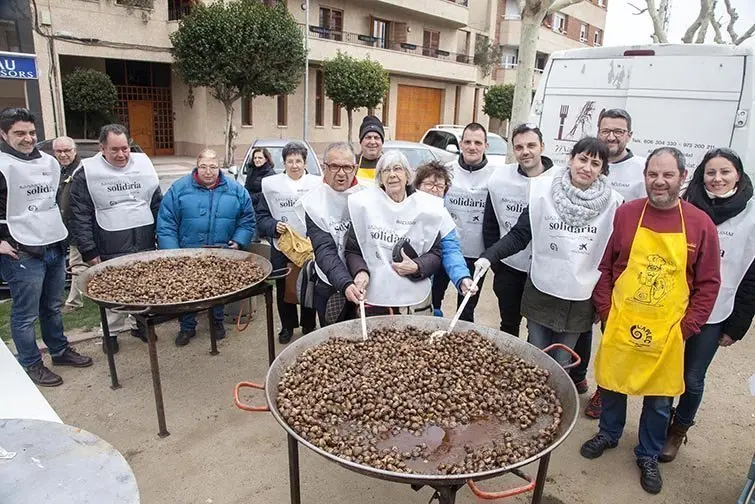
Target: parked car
{"x":447,"y":137}
{"x":85,"y":148}
{"x":416,"y":153}
{"x":275,"y":147}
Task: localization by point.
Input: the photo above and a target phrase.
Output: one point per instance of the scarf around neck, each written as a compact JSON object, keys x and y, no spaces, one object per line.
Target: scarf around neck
{"x":576,"y":206}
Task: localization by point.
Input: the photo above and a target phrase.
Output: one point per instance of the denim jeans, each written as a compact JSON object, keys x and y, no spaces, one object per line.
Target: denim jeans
{"x":542,"y":336}
{"x":698,"y":354}
{"x":36,"y":289}
{"x":584,"y":350}
{"x":653,"y":421}
{"x":188,"y":321}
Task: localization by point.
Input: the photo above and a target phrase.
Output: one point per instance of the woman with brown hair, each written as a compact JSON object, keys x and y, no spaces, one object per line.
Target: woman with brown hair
{"x":261,"y":166}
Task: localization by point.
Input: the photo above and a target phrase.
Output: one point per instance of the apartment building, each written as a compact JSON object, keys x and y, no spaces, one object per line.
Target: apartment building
{"x":427,"y":46}
{"x":579,"y":25}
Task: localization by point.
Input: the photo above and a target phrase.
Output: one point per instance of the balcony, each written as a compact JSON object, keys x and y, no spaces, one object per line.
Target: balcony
{"x":550,"y":41}
{"x":447,"y":12}
{"x":397,"y":58}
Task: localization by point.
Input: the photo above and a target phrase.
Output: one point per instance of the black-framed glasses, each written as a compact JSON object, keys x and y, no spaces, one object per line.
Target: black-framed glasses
{"x":617,"y":132}
{"x":335,"y":168}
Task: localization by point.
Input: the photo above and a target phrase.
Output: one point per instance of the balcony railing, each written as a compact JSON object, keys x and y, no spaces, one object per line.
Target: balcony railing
{"x":382,"y":43}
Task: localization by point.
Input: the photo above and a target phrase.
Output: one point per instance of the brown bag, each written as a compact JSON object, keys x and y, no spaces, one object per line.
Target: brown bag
{"x":289,"y":294}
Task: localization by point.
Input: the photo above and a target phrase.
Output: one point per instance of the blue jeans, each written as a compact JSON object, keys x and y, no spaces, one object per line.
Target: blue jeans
{"x":36,"y":289}
{"x":653,"y":421}
{"x":542,"y":336}
{"x":698,"y":354}
{"x":188,"y":321}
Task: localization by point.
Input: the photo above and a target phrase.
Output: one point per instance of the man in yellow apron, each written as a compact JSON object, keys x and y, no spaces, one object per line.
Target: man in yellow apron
{"x":371,"y":138}
{"x":659,"y":282}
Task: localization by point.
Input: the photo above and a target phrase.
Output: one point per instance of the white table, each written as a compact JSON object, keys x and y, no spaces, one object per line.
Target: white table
{"x":19,"y":397}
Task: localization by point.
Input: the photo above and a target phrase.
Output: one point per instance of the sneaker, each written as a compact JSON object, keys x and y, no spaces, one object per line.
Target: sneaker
{"x":285,"y":335}
{"x":593,"y":406}
{"x":595,"y":447}
{"x":140,"y":333}
{"x":219,"y":330}
{"x":183,"y":337}
{"x":39,"y":374}
{"x":72,"y":358}
{"x":437,"y":312}
{"x":114,"y":342}
{"x":307,"y":330}
{"x":582,"y":386}
{"x":650,"y":475}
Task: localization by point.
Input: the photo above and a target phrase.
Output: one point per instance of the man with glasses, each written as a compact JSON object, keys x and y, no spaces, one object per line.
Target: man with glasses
{"x":113,"y":203}
{"x":325,"y":211}
{"x":205,"y":209}
{"x":32,"y":241}
{"x":508,"y":196}
{"x":64,"y":149}
{"x":624,"y":168}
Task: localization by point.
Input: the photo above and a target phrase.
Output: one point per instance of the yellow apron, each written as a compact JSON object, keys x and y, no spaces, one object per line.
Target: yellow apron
{"x":642,"y":350}
{"x":365,"y":173}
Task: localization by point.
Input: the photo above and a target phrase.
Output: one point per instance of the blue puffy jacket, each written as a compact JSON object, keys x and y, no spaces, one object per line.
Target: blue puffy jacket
{"x":453,"y":259}
{"x":193,"y":216}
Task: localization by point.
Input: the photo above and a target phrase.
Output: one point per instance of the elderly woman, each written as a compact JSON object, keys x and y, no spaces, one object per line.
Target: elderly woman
{"x":569,"y":221}
{"x":394,"y":237}
{"x":205,"y":209}
{"x":276,"y":214}
{"x":260,"y":166}
{"x":720,"y":188}
{"x":434,"y":178}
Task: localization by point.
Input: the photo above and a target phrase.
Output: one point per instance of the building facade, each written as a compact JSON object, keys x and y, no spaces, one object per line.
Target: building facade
{"x":427,"y":46}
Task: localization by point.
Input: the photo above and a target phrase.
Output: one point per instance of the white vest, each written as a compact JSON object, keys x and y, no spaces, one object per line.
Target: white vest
{"x":379,"y":223}
{"x":329,"y":210}
{"x":509,"y":193}
{"x":565,"y":259}
{"x":465,"y":202}
{"x":627,"y":178}
{"x":32,"y":213}
{"x":282,"y":193}
{"x":737,"y":241}
{"x":122,"y":196}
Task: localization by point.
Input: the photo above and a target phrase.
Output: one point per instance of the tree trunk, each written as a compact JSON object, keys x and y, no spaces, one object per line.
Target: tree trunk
{"x":86,"y":133}
{"x":228,"y":157}
{"x":349,"y":120}
{"x":525,"y":71}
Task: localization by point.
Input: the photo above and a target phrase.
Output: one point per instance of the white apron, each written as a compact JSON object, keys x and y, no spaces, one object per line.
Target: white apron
{"x":465,"y":202}
{"x":379,"y":223}
{"x":509,"y":194}
{"x":281,"y":193}
{"x":32,"y":213}
{"x":736,"y":237}
{"x":121,"y":196}
{"x":627,"y":178}
{"x":329,"y":210}
{"x":565,"y":259}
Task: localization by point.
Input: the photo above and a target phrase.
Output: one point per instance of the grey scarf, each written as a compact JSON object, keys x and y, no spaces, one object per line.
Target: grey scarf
{"x":575,"y":206}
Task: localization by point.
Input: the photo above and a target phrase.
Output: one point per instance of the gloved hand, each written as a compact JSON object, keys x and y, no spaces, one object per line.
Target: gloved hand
{"x":481,"y":265}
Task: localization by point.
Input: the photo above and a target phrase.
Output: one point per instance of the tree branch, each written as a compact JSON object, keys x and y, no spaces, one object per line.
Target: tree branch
{"x":733,"y":16}
{"x":656,"y":15}
{"x":749,"y":33}
{"x":639,"y":11}
{"x":699,"y":24}
{"x":716,"y":24}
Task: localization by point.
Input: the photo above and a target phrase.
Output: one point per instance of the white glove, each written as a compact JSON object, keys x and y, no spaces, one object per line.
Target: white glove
{"x":481,"y":265}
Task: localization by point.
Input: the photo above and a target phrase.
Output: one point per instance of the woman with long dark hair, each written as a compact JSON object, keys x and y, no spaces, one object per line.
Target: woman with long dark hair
{"x":260,"y":166}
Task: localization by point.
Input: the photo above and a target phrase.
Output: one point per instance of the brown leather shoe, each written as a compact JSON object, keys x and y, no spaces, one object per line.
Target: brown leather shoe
{"x":677,"y":434}
{"x":42,"y":376}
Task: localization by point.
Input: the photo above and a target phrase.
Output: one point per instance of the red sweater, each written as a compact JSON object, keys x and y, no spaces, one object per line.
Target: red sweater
{"x":703,"y":257}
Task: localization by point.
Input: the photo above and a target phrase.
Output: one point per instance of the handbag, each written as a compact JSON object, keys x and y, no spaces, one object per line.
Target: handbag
{"x":296,"y":247}
{"x":305,"y":285}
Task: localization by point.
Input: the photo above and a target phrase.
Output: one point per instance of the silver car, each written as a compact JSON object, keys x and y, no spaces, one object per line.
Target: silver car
{"x":275,"y":148}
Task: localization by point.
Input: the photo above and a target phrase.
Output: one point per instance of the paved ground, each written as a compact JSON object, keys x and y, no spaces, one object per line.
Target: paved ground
{"x":218,"y":454}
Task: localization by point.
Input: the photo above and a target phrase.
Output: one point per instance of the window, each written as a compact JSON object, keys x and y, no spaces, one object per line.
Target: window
{"x":247,"y":112}
{"x":282,"y":110}
{"x":332,"y":19}
{"x":380,"y":31}
{"x":511,"y":11}
{"x":430,"y":43}
{"x":319,"y":99}
{"x":597,"y":38}
{"x":583,"y":33}
{"x":178,"y":9}
{"x":9,"y":36}
{"x":336,"y":115}
{"x":509,"y":59}
{"x":559,"y":23}
{"x":540,"y":62}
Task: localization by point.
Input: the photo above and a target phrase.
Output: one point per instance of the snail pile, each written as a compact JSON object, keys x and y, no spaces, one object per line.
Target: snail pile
{"x":400,"y":402}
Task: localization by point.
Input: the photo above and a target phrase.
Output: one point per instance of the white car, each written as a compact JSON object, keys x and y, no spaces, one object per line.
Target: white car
{"x":416,"y":153}
{"x":447,"y":137}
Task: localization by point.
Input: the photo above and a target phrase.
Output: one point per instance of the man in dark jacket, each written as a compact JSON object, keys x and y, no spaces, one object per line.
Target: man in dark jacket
{"x":114,"y":202}
{"x":32,"y":256}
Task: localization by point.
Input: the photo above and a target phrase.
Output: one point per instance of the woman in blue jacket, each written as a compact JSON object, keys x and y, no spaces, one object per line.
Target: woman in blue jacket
{"x":434,"y":178}
{"x":205,"y":208}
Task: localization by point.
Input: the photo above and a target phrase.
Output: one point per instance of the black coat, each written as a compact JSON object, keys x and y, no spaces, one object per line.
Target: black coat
{"x":254,"y":178}
{"x":93,"y":241}
{"x":326,"y":257}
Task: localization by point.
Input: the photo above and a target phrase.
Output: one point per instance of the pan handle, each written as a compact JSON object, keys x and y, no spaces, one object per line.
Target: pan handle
{"x":243,"y":406}
{"x":506,"y":493}
{"x":279,"y":273}
{"x":577,"y":359}
{"x":124,"y":310}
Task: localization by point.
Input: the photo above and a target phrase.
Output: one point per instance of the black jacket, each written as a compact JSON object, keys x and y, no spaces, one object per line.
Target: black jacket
{"x":93,"y":241}
{"x":254,"y":178}
{"x":64,"y":190}
{"x":265,"y":221}
{"x":326,"y":257}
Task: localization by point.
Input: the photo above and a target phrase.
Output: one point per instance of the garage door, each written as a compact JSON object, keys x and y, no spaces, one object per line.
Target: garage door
{"x":418,"y":111}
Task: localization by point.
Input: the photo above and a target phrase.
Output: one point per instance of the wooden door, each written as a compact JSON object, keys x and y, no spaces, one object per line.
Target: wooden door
{"x":141,"y":124}
{"x":419,"y":109}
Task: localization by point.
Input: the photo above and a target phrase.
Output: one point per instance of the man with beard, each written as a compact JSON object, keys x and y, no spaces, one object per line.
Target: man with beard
{"x":660,"y":277}
{"x":624,"y":168}
{"x":371,"y":138}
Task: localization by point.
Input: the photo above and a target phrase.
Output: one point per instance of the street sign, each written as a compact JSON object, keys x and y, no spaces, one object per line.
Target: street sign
{"x":18,"y":66}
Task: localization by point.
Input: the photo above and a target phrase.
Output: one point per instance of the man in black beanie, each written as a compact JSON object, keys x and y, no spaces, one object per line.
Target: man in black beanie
{"x":371,"y":137}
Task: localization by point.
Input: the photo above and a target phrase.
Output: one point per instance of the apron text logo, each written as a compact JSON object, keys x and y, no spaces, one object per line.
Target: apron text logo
{"x":642,"y":335}
{"x":124,"y":186}
{"x":39,"y":189}
{"x":466,"y":202}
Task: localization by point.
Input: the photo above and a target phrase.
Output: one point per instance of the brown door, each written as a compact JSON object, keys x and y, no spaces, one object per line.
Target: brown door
{"x":418,"y":111}
{"x":141,"y":124}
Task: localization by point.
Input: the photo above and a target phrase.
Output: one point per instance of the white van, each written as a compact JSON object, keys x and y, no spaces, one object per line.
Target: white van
{"x":689,"y":96}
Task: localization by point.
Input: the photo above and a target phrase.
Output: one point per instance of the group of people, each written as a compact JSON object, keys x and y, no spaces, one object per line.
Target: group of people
{"x":611,"y":238}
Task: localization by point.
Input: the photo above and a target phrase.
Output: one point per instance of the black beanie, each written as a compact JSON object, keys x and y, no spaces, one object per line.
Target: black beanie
{"x":371,"y":124}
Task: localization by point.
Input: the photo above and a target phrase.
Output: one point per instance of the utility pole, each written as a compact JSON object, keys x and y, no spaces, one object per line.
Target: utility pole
{"x":305,"y":128}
